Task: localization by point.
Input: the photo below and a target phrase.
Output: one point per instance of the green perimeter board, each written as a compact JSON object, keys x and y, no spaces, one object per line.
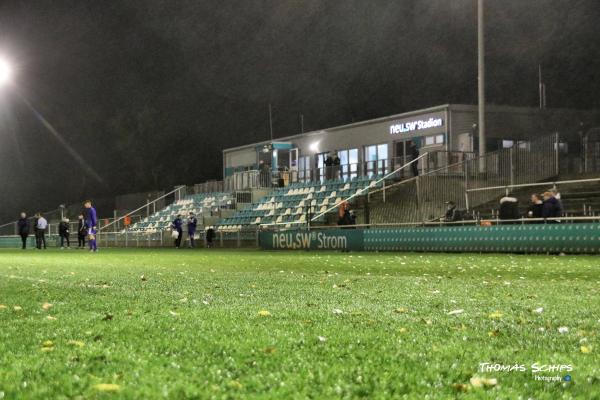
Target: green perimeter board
{"x":528,"y":238}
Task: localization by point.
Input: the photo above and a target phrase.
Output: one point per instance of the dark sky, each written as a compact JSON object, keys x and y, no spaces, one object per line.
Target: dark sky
{"x":150,"y":92}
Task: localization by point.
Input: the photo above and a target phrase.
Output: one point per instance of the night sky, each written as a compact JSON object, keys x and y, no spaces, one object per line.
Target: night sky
{"x":150,"y":92}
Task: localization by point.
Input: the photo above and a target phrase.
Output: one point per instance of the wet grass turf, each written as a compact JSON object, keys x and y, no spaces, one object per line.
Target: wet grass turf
{"x":242,"y":324}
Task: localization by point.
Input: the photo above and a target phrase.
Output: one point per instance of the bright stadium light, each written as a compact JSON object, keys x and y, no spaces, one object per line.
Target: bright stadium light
{"x":5,"y":72}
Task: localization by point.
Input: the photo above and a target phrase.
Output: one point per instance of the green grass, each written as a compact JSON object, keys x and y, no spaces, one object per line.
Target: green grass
{"x":186,"y":324}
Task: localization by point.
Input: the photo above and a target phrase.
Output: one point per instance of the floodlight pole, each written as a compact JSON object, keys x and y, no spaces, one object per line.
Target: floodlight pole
{"x":481,"y":83}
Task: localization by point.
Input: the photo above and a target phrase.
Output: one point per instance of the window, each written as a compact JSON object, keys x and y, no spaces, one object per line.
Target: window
{"x":376,"y":159}
{"x":434,"y":140}
{"x":349,"y":163}
{"x":304,"y":169}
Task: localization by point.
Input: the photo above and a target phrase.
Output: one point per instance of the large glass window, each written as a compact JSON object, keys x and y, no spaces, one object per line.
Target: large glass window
{"x":376,"y":159}
{"x":304,"y":168}
{"x":348,"y":163}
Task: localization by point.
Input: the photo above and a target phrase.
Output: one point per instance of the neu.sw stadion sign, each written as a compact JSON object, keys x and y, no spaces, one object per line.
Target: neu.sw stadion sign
{"x":416,"y":125}
{"x":330,"y":239}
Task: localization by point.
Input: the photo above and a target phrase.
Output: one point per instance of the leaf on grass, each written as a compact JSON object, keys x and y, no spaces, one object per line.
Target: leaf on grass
{"x":456,"y":312}
{"x":585,"y":349}
{"x":234,"y":385}
{"x":461,"y":387}
{"x":539,"y":310}
{"x":77,"y":343}
{"x":107,"y":387}
{"x":495,"y":315}
{"x":264,"y":313}
{"x":401,"y":310}
{"x":563,"y":329}
{"x":173,"y":313}
{"x":51,"y":318}
{"x":270,"y":350}
{"x":47,"y":349}
{"x":3,"y":307}
{"x":48,"y":344}
{"x":337,"y":311}
{"x":403,"y":330}
{"x":47,"y":306}
{"x":494,"y":333}
{"x":426,"y":321}
{"x":479,"y":382}
{"x":321,"y":339}
{"x":17,"y":308}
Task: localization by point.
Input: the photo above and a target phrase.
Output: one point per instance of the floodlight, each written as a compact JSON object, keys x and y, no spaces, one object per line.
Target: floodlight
{"x":5,"y":72}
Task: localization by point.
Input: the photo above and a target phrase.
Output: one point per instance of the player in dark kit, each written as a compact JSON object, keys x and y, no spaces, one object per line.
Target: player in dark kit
{"x":91,"y":221}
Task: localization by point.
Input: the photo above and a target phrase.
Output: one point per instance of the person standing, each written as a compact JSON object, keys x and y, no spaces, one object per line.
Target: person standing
{"x":23,"y":229}
{"x":210,"y":235}
{"x":328,"y":167}
{"x":192,"y":223}
{"x":81,"y":232}
{"x":177,"y":226}
{"x":414,"y":154}
{"x":63,"y":232}
{"x":336,"y":166}
{"x":40,"y":231}
{"x":91,"y":222}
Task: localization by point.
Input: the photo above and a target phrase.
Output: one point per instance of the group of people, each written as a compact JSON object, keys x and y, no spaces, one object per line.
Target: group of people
{"x":87,"y":229}
{"x":547,"y":206}
{"x":191,"y":225}
{"x":332,"y":166}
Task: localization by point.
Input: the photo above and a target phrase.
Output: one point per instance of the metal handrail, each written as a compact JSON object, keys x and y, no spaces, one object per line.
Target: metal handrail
{"x":178,"y":188}
{"x":535,"y":184}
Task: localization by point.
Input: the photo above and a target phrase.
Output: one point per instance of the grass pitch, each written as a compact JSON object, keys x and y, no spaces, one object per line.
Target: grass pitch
{"x":249,"y":324}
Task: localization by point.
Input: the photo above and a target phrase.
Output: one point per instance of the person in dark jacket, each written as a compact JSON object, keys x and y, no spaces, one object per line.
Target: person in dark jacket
{"x":210,"y":236}
{"x":551,"y":208}
{"x":177,"y":226}
{"x":536,"y":207}
{"x":509,"y":208}
{"x":414,"y":154}
{"x":81,"y":232}
{"x":192,"y":223}
{"x":336,"y":166}
{"x":452,"y":213}
{"x":23,"y":229}
{"x":64,"y":233}
{"x":328,"y":167}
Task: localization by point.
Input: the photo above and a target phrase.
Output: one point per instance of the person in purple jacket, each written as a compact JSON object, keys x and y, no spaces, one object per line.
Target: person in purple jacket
{"x":91,"y":222}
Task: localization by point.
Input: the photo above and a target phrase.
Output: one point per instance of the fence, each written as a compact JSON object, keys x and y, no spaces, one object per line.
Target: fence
{"x":423,"y":198}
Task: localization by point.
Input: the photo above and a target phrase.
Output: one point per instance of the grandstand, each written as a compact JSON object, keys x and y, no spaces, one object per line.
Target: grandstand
{"x":202,"y":204}
{"x":297,"y":203}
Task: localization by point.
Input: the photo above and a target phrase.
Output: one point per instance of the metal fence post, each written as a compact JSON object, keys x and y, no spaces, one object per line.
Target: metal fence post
{"x":239,"y":241}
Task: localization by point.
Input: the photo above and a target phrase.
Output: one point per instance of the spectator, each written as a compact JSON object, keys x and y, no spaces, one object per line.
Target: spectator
{"x":210,"y":235}
{"x":40,"y":231}
{"x":81,"y":232}
{"x":452,"y":213}
{"x":556,"y":195}
{"x":63,"y":232}
{"x":414,"y":154}
{"x":265,"y":174}
{"x":192,"y":222}
{"x":551,"y":208}
{"x":536,"y":207}
{"x":177,"y":226}
{"x":23,"y":229}
{"x":343,"y":210}
{"x":336,"y":166}
{"x":91,"y":223}
{"x":328,"y":167}
{"x":509,"y":208}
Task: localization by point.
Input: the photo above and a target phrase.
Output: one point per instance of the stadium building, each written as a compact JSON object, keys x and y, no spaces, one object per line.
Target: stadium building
{"x":448,"y":133}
